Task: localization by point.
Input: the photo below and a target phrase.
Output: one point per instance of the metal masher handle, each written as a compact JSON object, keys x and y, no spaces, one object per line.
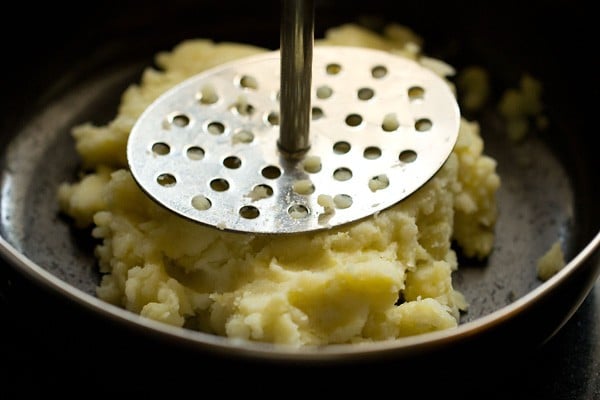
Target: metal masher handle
{"x":296,"y":37}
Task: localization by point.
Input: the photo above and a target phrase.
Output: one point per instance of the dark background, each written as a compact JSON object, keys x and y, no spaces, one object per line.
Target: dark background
{"x":51,"y":346}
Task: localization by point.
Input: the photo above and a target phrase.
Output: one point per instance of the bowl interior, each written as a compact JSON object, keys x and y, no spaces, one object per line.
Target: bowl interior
{"x":548,"y":190}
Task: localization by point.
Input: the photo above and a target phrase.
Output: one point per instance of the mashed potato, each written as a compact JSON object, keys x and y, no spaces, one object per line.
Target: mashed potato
{"x":522,"y":108}
{"x":552,"y":261}
{"x":385,"y":277}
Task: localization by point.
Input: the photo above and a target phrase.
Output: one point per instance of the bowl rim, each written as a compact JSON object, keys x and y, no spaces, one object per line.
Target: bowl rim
{"x":268,"y":351}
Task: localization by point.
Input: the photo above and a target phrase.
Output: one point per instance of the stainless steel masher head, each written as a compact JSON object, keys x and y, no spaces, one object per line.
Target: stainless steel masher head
{"x":296,"y":140}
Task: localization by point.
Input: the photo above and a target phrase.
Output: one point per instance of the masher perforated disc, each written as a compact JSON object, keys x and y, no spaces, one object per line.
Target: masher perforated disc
{"x":381,"y":127}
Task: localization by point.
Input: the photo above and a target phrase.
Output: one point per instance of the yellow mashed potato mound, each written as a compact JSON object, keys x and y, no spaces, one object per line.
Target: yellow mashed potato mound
{"x":385,"y":277}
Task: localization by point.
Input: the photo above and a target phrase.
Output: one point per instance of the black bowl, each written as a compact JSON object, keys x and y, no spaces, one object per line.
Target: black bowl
{"x":68,"y":65}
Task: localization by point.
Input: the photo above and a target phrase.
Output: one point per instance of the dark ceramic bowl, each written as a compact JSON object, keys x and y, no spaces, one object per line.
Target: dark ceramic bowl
{"x":77,"y":63}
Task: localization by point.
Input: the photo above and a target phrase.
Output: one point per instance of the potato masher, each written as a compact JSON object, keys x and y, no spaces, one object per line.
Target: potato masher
{"x":301,"y":139}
